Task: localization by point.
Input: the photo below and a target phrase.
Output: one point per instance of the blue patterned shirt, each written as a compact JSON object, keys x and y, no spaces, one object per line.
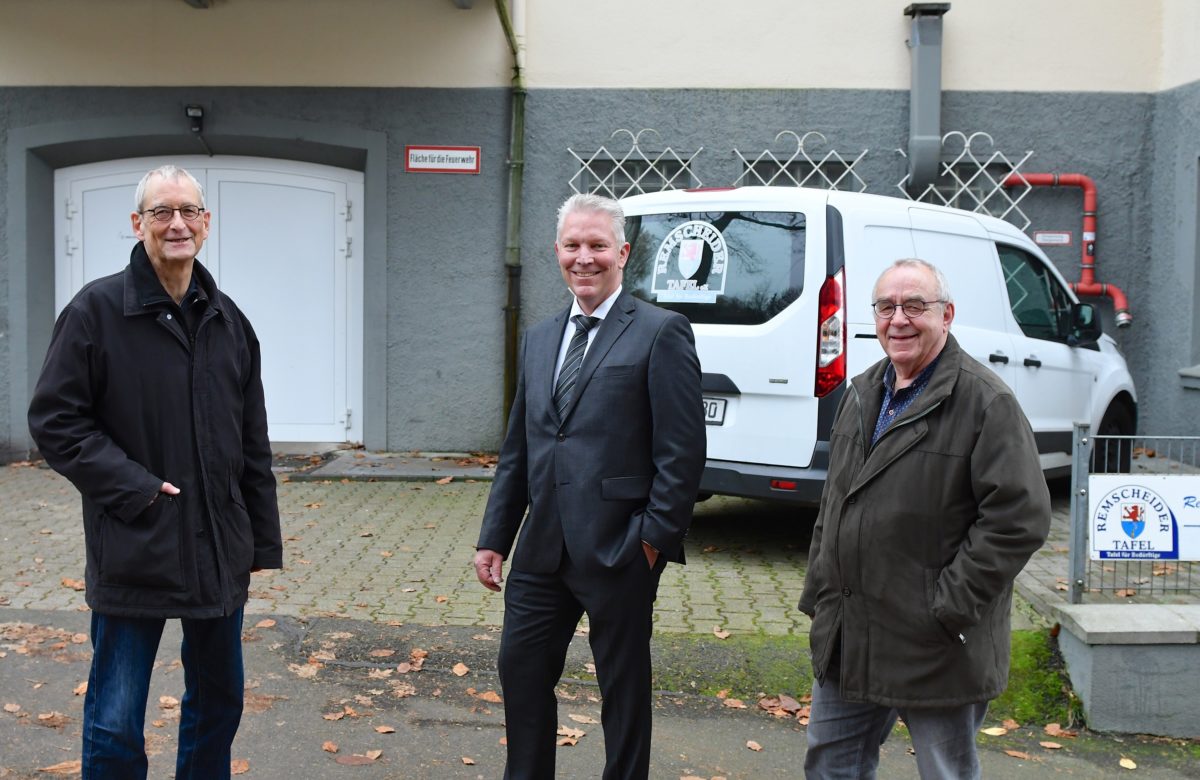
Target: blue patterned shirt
{"x":896,"y":401}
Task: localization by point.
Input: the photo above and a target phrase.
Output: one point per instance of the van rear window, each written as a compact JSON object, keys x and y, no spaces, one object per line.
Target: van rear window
{"x":717,"y":267}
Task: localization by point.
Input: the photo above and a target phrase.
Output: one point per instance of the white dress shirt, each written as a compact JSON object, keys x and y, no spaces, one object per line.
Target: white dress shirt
{"x":569,"y":331}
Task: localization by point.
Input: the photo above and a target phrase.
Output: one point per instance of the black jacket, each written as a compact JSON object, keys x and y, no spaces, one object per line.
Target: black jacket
{"x":130,"y":397}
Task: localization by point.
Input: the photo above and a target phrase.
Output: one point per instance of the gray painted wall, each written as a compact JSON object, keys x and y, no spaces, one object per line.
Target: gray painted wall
{"x":1146,"y":229}
{"x":435,"y":243}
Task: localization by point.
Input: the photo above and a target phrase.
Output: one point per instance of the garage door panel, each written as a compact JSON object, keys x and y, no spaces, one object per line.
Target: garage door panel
{"x":278,"y":246}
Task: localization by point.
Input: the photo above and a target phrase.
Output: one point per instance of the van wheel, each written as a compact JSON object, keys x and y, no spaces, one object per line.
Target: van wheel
{"x":1113,"y":456}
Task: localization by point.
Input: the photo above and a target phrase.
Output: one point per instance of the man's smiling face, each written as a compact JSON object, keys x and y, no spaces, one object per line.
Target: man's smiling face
{"x":591,"y":260}
{"x":176,"y":240}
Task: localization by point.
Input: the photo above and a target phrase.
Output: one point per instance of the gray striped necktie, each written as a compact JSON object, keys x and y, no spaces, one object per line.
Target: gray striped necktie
{"x":572,"y":362}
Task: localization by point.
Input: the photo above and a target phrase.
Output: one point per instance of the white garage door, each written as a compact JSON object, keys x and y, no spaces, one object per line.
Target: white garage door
{"x":286,"y":244}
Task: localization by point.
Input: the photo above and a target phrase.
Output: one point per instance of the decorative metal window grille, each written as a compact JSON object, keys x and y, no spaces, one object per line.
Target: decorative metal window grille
{"x":634,"y":171}
{"x":802,"y":167}
{"x":973,"y":179}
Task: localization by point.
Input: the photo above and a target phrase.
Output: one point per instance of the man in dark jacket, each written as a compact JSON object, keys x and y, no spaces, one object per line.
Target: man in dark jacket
{"x":150,"y":402}
{"x":599,"y":471}
{"x":934,"y":502}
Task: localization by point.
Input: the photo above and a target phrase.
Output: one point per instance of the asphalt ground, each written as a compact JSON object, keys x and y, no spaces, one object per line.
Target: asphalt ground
{"x":376,"y":637}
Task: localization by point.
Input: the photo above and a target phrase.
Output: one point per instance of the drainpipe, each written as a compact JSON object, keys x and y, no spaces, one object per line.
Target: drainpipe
{"x":516,"y":176}
{"x":1087,"y":284}
{"x":925,"y":98}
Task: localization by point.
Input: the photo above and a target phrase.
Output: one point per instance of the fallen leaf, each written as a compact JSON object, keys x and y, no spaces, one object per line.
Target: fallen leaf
{"x":168,"y":702}
{"x":385,"y":730}
{"x":444,"y":480}
{"x":239,"y":766}
{"x":63,"y":768}
{"x":354,"y":760}
{"x":1010,"y":724}
{"x":441,"y":599}
{"x":374,"y":754}
{"x":1051,"y":745}
{"x":1125,"y":593}
{"x":334,"y":715}
{"x":583,"y":719}
{"x":304,"y":671}
{"x":1019,"y":754}
{"x":329,"y":747}
{"x":460,"y":669}
{"x":73,"y":584}
{"x":757,"y":748}
{"x":995,"y":731}
{"x":1127,"y":763}
{"x":158,"y":724}
{"x":468,"y":761}
{"x":265,"y":623}
{"x":720,"y":633}
{"x":382,"y":652}
{"x":313,"y":505}
{"x":80,"y":689}
{"x":12,"y":708}
{"x":492,"y":697}
{"x":53,"y":720}
{"x":734,"y":704}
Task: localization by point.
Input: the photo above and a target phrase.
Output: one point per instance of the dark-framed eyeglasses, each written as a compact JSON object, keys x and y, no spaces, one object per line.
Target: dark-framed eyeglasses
{"x":885,"y":310}
{"x":166,"y":213}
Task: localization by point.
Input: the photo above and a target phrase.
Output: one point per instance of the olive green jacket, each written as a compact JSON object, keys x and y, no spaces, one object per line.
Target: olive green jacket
{"x":919,"y":538}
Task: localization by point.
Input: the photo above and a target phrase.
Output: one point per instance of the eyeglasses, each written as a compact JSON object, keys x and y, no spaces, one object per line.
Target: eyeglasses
{"x":166,"y":213}
{"x":885,"y":310}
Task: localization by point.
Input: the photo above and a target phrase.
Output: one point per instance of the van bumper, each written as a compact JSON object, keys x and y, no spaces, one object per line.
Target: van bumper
{"x":753,"y":480}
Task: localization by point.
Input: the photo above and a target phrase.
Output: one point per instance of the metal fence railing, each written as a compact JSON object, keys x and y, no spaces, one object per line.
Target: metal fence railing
{"x":1135,"y":518}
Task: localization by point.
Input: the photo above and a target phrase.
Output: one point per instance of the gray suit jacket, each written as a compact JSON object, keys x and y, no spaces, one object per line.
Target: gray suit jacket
{"x":623,"y":464}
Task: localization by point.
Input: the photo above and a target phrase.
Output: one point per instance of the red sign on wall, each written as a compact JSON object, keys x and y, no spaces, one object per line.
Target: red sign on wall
{"x":441,"y":159}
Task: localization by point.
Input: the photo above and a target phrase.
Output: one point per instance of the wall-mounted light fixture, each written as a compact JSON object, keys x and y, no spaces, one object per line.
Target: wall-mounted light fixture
{"x":195,"y":115}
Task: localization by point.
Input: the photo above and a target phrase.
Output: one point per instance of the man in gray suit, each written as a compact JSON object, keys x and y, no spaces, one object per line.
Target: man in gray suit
{"x":601,"y":463}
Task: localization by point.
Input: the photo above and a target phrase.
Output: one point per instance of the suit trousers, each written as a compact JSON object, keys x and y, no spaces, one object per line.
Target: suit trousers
{"x":541,"y":613}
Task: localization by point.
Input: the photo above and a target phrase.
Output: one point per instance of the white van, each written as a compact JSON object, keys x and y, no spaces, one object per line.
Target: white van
{"x":777,"y":283}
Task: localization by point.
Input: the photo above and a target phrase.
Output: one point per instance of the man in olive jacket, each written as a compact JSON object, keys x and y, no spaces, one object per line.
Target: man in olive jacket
{"x":934,"y":502}
{"x":150,"y":401}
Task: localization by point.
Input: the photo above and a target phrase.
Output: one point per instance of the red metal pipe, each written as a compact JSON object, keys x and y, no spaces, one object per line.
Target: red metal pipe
{"x":1087,"y":284}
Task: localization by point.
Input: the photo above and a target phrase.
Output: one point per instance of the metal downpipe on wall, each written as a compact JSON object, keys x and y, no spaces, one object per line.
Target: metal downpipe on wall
{"x":1087,"y":284}
{"x":516,"y":177}
{"x":925,"y":97}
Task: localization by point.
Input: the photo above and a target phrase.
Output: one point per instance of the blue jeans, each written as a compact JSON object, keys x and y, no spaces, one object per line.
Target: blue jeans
{"x":844,"y":737}
{"x":114,"y":710}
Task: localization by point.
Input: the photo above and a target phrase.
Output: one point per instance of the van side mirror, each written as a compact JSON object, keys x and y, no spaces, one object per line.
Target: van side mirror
{"x":1085,"y":325}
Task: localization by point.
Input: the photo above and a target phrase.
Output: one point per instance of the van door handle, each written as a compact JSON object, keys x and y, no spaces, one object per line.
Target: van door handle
{"x":997,"y":357}
{"x":1033,"y":362}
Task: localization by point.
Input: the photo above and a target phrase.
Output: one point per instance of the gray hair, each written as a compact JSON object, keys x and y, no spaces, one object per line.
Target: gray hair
{"x":943,"y":287}
{"x":166,"y":172}
{"x":590,"y":203}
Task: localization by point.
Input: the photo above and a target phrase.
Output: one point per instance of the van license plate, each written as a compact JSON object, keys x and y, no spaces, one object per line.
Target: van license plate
{"x":714,"y":411}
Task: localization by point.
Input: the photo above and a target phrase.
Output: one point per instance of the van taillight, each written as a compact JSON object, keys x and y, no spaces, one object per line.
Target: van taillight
{"x":831,"y":336}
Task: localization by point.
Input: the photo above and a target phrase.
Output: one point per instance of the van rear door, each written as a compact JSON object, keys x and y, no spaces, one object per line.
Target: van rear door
{"x":747,"y":276}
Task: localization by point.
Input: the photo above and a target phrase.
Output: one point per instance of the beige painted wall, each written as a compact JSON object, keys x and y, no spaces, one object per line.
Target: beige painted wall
{"x":427,"y":43}
{"x":1053,"y":45}
{"x":1050,"y":45}
{"x":1180,"y":43}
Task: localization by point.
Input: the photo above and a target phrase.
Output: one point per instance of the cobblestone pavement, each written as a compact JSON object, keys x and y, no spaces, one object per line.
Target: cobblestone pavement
{"x":401,"y":551}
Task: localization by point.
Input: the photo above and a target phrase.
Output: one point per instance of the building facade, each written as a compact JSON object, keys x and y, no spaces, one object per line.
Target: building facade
{"x":380,"y":283}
